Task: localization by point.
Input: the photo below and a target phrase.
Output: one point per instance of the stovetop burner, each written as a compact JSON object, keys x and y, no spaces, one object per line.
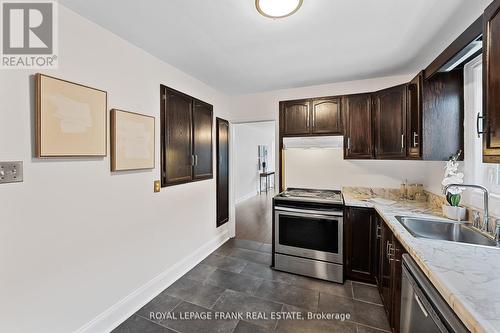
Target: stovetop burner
{"x":301,"y":194}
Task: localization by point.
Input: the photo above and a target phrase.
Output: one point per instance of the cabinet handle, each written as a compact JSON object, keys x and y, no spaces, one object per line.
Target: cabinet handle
{"x":415,"y":136}
{"x":195,"y":160}
{"x":379,"y":229}
{"x":393,"y":254}
{"x":479,"y":117}
{"x":388,"y":250}
{"x":348,"y":143}
{"x":402,"y":141}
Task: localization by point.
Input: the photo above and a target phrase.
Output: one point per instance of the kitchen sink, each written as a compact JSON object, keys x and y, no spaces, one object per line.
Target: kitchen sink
{"x":444,"y":230}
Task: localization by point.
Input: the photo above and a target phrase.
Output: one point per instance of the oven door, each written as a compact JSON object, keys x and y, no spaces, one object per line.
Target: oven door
{"x":309,"y":234}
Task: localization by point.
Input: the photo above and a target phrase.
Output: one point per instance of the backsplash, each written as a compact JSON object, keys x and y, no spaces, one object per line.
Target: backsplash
{"x":433,"y":200}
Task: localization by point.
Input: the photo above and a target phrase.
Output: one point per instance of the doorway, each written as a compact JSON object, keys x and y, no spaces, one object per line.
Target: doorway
{"x":254,"y":165}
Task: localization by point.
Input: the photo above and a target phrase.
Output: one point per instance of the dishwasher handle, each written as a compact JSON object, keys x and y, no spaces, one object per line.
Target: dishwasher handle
{"x":421,"y":306}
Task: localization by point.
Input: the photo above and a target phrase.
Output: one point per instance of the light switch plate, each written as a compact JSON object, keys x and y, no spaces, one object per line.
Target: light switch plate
{"x":157,"y":186}
{"x":11,"y":172}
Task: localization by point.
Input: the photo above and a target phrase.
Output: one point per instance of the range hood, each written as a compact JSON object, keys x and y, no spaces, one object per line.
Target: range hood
{"x":314,"y":142}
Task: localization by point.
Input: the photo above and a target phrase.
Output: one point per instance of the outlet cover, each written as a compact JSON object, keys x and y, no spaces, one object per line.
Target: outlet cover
{"x":11,"y":172}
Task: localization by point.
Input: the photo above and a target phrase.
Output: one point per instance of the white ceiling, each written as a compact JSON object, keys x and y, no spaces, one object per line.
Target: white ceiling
{"x":228,"y":45}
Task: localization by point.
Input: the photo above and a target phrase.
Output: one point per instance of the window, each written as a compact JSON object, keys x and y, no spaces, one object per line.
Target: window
{"x":477,"y":172}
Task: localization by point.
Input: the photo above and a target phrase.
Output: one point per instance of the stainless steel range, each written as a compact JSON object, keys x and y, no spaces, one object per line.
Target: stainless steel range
{"x":308,"y":233}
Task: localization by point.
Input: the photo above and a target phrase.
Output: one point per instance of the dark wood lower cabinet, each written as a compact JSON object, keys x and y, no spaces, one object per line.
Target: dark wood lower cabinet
{"x":361,"y":244}
{"x":397,"y":275}
{"x":384,"y":274}
{"x":390,"y":274}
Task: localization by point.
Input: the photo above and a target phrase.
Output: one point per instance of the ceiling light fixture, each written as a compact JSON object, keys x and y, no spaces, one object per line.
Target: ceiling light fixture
{"x":277,"y":8}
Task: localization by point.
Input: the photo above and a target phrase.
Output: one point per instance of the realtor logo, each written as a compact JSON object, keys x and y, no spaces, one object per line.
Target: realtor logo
{"x":28,"y":34}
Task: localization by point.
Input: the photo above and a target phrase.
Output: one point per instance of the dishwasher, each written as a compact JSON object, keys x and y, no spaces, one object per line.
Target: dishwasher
{"x":423,"y":309}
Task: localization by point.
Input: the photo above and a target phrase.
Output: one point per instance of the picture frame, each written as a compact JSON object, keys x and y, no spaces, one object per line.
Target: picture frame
{"x":132,"y":141}
{"x":71,"y":119}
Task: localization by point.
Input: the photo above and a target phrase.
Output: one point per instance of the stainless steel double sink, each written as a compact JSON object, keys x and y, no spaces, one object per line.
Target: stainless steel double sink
{"x":444,"y":230}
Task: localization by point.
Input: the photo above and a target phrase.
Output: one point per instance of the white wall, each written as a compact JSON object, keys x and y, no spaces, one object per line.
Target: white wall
{"x":75,"y":239}
{"x":247,"y":138}
{"x":326,"y":168}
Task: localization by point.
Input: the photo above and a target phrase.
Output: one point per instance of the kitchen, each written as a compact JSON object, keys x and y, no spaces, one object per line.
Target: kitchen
{"x":381,"y":214}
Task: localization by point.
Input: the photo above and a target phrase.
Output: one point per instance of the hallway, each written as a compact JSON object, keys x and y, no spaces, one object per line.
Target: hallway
{"x":254,"y":218}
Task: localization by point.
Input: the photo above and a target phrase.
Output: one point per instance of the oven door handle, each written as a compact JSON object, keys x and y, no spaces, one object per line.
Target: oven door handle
{"x":309,"y":211}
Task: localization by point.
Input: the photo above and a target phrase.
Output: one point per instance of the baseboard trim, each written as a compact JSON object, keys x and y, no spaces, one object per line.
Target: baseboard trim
{"x":119,"y":312}
{"x":246,"y":197}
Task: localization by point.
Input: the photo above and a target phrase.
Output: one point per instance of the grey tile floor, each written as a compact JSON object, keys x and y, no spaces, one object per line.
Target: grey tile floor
{"x":237,"y":278}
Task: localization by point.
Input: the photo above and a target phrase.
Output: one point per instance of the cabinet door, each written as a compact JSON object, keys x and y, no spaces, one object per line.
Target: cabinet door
{"x":295,"y":117}
{"x":176,"y":137}
{"x":390,"y":123}
{"x":326,"y":116}
{"x":222,"y":139}
{"x":376,"y":253}
{"x":202,"y":140}
{"x":414,"y":117}
{"x":443,"y":115}
{"x":358,"y":140}
{"x":396,"y":279}
{"x":385,"y":270}
{"x":360,"y":237}
{"x":491,"y":77}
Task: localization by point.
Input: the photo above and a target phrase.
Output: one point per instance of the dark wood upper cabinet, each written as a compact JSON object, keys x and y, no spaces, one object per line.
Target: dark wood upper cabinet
{"x":318,"y":116}
{"x":360,"y":239}
{"x":443,"y":115}
{"x":176,"y":143}
{"x":390,"y":123}
{"x":414,"y":117}
{"x":358,"y":140}
{"x":202,"y":140}
{"x":491,"y":77}
{"x":326,"y":116}
{"x":222,"y":139}
{"x":295,"y":117}
{"x":186,"y":138}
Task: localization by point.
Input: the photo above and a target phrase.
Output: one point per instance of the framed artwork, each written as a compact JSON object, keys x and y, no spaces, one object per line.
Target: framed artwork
{"x":132,"y":141}
{"x":71,"y":119}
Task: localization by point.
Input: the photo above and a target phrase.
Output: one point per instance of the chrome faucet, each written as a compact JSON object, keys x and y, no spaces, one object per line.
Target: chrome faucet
{"x":485,"y":227}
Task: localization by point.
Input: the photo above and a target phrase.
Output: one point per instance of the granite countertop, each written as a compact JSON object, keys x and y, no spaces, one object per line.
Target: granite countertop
{"x":467,"y":276}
